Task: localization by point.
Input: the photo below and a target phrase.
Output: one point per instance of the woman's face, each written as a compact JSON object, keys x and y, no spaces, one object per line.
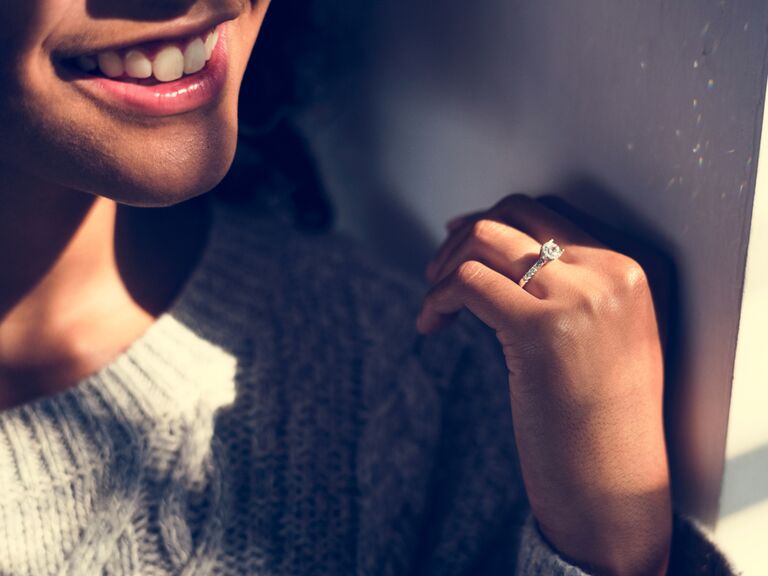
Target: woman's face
{"x":134,"y":100}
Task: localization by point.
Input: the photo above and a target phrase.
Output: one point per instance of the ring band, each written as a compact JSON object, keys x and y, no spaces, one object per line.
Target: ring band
{"x":548,"y":253}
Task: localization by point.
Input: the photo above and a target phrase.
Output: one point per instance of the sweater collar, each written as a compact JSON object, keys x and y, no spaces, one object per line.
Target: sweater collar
{"x":185,"y":359}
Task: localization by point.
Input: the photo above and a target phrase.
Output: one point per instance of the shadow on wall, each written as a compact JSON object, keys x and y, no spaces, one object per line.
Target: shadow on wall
{"x":447,"y":52}
{"x":746,"y":481}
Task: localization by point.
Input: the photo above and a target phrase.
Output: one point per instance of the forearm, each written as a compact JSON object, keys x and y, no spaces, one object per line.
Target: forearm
{"x":600,"y":494}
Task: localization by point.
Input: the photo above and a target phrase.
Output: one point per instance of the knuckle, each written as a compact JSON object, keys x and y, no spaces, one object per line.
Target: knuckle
{"x":633,"y":277}
{"x":613,"y":291}
{"x":628,"y":279}
{"x":483,"y":230}
{"x":467,"y":272}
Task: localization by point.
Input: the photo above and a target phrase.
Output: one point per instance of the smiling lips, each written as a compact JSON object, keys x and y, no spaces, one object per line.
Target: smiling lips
{"x":159,"y":78}
{"x":163,"y":61}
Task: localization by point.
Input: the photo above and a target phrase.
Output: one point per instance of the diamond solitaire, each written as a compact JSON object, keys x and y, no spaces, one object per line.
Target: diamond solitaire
{"x":549,"y":252}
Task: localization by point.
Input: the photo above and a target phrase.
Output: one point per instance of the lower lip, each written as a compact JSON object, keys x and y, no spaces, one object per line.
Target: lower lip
{"x":187,"y":94}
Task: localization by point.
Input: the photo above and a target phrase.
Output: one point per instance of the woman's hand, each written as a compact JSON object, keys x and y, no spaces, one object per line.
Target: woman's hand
{"x":582,"y":348}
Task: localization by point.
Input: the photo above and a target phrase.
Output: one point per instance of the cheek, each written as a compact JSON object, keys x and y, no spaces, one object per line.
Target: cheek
{"x":25,"y":25}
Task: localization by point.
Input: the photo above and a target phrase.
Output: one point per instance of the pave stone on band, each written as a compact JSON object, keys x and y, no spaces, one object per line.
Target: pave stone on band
{"x":549,"y":252}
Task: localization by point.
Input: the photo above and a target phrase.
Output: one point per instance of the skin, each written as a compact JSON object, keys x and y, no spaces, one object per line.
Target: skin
{"x":87,"y":267}
{"x":582,"y":348}
{"x":79,"y":283}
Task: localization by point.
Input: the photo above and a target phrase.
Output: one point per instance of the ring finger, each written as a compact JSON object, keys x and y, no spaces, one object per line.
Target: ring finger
{"x":501,"y":247}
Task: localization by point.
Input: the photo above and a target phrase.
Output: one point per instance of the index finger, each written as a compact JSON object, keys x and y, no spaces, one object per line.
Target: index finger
{"x":541,"y":223}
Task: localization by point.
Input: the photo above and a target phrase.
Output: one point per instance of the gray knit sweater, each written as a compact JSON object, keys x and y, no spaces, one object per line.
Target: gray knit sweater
{"x":282,"y":418}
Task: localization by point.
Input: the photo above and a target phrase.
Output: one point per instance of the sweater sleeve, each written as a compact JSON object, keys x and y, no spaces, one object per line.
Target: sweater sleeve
{"x":693,"y":553}
{"x":480,"y":520}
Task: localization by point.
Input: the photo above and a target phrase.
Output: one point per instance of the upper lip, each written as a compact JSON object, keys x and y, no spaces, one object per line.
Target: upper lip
{"x":176,"y":30}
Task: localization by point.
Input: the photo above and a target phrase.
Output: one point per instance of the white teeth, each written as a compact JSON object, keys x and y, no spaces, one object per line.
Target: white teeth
{"x":87,"y":63}
{"x":168,"y":64}
{"x":210,"y":43}
{"x":110,"y":64}
{"x":194,"y":56}
{"x":137,"y":65}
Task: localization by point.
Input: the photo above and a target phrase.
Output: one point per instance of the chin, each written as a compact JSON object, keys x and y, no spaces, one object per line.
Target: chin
{"x":166,"y":169}
{"x":168,"y":189}
{"x":148,"y":195}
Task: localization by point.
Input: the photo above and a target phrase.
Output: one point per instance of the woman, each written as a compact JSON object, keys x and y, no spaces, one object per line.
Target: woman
{"x":202,"y":388}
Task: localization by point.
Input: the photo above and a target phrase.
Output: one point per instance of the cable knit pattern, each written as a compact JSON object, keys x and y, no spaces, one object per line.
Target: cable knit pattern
{"x":282,"y":418}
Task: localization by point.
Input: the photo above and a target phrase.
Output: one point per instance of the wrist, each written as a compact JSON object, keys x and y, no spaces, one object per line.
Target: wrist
{"x":636,"y":541}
